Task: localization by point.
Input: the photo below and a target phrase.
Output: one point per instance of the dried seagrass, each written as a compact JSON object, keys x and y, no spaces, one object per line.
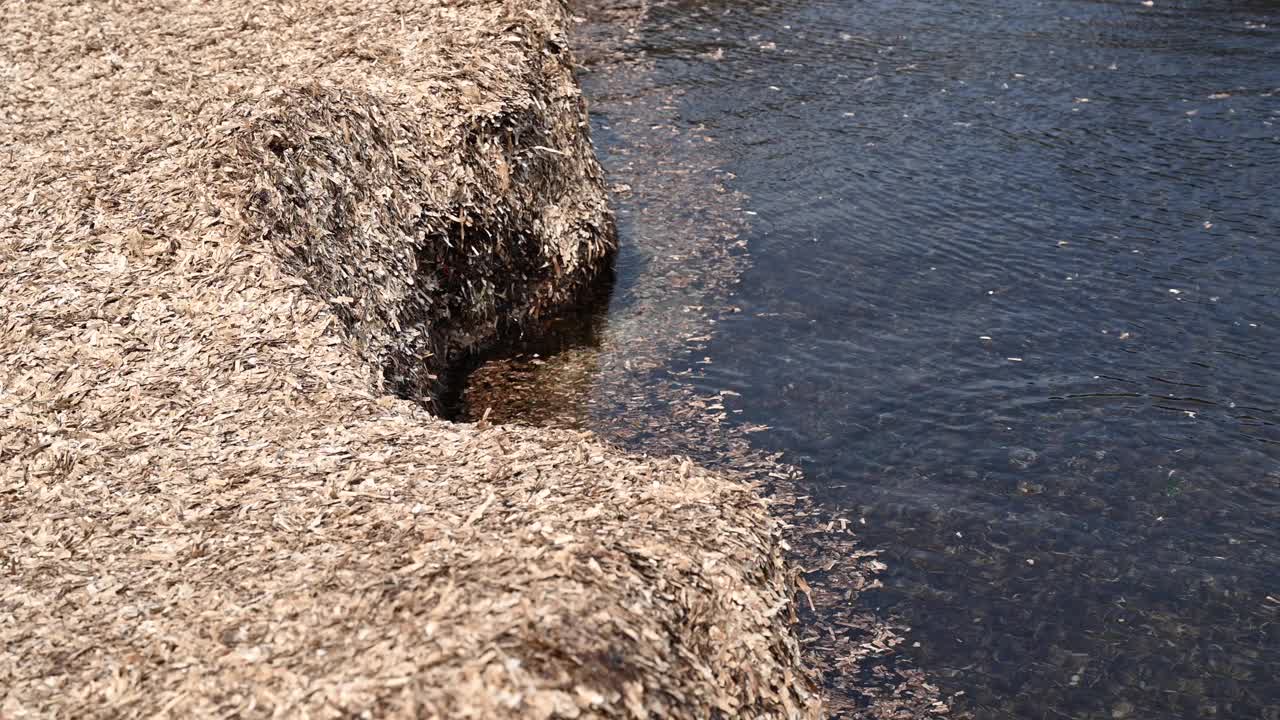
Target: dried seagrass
{"x":234,"y":236}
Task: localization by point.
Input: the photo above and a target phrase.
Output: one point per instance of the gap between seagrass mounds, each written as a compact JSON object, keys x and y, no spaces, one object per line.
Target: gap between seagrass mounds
{"x":438,"y":379}
{"x":425,"y":271}
{"x":577,"y":325}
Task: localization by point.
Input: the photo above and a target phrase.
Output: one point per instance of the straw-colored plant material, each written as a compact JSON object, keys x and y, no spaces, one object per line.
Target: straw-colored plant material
{"x":228,"y":231}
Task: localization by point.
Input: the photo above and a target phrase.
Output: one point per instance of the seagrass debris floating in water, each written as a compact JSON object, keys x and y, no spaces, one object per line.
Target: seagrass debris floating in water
{"x":228,"y":235}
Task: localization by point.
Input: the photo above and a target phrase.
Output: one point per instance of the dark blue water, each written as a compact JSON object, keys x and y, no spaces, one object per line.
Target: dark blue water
{"x":1014,"y":299}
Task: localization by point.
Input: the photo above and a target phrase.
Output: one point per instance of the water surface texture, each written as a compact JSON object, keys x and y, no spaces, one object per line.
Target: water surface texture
{"x":1003,"y":278}
{"x":1014,"y":301}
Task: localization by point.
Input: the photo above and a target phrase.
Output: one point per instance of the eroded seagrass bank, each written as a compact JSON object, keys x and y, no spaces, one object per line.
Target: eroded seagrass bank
{"x":236,"y":240}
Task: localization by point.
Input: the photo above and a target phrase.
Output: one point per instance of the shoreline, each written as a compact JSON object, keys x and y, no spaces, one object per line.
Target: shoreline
{"x":224,"y":238}
{"x":631,"y":374}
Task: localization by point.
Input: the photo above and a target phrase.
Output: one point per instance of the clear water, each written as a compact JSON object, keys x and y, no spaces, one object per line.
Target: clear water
{"x":1013,"y":302}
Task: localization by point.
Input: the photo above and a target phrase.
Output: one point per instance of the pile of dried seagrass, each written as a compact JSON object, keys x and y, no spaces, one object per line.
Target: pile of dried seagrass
{"x":233,"y":236}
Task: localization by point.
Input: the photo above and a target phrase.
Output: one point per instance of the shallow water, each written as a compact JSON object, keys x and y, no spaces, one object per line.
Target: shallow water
{"x":1011,"y":299}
